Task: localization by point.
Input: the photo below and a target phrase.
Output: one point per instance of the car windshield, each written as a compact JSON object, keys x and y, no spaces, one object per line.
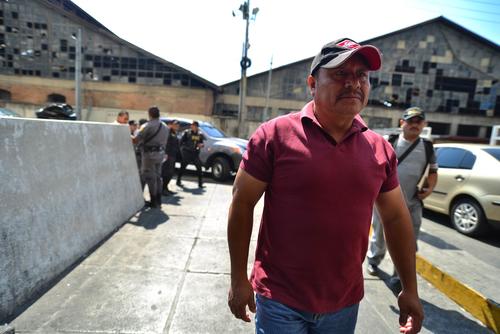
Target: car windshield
{"x":495,"y":152}
{"x":213,"y":131}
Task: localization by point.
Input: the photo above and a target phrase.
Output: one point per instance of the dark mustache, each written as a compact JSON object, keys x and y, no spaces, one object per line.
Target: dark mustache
{"x":357,"y":93}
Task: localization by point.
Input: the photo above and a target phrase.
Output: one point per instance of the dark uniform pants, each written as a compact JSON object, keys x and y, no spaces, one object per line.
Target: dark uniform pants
{"x":151,"y":175}
{"x":190,"y":157}
{"x":167,"y":171}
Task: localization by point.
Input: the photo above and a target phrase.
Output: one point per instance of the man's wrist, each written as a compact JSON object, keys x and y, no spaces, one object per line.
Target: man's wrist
{"x":237,"y":279}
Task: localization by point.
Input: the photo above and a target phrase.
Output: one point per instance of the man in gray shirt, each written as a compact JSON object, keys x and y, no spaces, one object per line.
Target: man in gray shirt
{"x":152,"y":138}
{"x":414,"y":155}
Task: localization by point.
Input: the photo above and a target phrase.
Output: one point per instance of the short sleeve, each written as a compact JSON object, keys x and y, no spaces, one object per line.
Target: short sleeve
{"x":392,"y":180}
{"x":433,"y":165}
{"x":258,"y":158}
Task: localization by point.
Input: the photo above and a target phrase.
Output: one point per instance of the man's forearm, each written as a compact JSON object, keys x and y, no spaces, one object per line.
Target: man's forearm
{"x":239,"y":231}
{"x":432,"y":180}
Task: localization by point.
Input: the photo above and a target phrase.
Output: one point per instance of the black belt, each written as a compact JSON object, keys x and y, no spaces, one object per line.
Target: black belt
{"x":148,"y":149}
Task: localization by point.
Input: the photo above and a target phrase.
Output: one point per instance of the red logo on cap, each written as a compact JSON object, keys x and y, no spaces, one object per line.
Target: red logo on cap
{"x":347,"y":43}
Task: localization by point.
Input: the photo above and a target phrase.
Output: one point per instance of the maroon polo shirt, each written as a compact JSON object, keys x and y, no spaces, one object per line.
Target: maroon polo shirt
{"x":317,"y":209}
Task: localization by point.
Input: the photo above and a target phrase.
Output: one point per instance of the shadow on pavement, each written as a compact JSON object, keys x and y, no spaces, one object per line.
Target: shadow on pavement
{"x":492,"y":238}
{"x":440,"y":321}
{"x":194,"y":191}
{"x":150,"y":218}
{"x":174,"y":199}
{"x":207,"y":178}
{"x":435,"y":241}
{"x":386,"y":278}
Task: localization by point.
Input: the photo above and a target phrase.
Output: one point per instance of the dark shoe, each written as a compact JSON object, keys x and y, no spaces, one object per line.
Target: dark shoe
{"x":372,"y":269}
{"x":395,"y":284}
{"x":201,"y":185}
{"x":178,"y":183}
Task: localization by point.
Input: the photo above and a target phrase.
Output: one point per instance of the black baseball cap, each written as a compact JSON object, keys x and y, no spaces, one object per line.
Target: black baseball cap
{"x":413,"y":112}
{"x":338,"y":52}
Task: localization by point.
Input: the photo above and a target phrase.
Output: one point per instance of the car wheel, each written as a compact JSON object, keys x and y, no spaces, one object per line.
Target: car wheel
{"x":468,"y":217}
{"x":220,"y":169}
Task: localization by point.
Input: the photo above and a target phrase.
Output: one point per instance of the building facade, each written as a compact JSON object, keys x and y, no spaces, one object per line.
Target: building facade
{"x":437,"y":65}
{"x":37,"y":66}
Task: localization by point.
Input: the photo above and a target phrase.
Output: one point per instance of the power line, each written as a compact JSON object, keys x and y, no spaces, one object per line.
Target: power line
{"x":455,"y":15}
{"x":485,"y":2}
{"x":464,"y":8}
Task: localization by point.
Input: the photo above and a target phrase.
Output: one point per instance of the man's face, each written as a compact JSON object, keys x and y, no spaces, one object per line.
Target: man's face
{"x":132,"y":127}
{"x":122,"y":119}
{"x":342,"y":90}
{"x":413,"y":127}
{"x":194,"y":127}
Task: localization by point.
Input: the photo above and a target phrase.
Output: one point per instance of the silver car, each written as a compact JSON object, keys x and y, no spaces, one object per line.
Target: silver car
{"x":468,"y":187}
{"x":221,"y":154}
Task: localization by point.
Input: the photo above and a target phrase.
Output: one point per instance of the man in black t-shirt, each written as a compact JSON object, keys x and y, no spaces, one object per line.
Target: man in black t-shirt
{"x":191,"y":144}
{"x":172,"y":149}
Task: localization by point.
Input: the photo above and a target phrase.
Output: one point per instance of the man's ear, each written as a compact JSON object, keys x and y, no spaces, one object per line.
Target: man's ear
{"x":311,"y":82}
{"x":401,"y":121}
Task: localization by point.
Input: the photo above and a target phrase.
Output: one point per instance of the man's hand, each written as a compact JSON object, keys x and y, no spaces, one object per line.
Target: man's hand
{"x":424,"y":193}
{"x":411,"y":314}
{"x":241,"y":295}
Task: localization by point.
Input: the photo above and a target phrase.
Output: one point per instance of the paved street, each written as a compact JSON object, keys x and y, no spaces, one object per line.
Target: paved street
{"x":167,"y":272}
{"x":485,"y":248}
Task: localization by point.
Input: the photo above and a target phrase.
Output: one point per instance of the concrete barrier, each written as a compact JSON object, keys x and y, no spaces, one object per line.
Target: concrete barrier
{"x":64,"y":186}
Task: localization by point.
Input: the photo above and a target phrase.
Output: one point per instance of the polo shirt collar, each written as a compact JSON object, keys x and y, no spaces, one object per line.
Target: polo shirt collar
{"x":358,"y":124}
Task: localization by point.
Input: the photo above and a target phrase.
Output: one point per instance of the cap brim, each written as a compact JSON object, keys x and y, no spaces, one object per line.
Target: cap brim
{"x":369,"y":52}
{"x":416,"y":116}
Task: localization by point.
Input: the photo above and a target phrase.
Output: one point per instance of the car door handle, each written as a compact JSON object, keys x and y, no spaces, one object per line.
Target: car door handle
{"x":459,"y":178}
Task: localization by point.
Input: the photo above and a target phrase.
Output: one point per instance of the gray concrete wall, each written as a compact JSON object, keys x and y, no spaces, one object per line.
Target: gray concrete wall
{"x":64,"y":187}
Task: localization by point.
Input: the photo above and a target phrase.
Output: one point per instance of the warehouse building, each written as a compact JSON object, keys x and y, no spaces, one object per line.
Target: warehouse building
{"x":37,"y":66}
{"x":438,"y":65}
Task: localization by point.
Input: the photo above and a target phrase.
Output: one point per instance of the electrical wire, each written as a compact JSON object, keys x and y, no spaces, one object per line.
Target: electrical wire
{"x":455,"y":15}
{"x":433,"y":2}
{"x":485,"y":2}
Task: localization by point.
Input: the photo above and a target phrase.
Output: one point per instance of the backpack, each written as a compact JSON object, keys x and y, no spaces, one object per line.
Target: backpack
{"x":429,"y":148}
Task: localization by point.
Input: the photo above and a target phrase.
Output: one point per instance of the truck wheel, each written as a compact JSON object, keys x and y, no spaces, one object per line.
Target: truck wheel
{"x":220,"y":169}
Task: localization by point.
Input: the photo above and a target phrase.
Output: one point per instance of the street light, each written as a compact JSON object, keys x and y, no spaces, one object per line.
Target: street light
{"x":244,"y":63}
{"x":78,"y":73}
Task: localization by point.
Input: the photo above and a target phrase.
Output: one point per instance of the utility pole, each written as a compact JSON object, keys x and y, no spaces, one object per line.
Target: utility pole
{"x":268,"y":94}
{"x":78,"y":74}
{"x":244,"y":63}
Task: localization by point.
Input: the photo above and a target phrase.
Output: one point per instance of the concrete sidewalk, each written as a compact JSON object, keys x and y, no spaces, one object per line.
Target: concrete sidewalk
{"x":166,"y":271}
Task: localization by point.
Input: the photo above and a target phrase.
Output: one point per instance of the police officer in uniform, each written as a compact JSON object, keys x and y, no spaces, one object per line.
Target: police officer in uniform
{"x":191,"y":143}
{"x":152,"y":138}
{"x":168,"y":167}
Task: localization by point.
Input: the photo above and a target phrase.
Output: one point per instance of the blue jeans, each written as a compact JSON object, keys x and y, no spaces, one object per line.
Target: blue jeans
{"x":275,"y":318}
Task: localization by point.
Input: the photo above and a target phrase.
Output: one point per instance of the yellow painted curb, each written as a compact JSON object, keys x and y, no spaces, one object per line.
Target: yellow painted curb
{"x":485,"y":310}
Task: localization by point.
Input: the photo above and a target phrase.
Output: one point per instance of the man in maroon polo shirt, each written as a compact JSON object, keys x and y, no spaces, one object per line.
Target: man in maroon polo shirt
{"x":322,"y":171}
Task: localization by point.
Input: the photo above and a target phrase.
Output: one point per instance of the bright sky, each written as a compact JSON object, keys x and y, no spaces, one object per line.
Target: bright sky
{"x":203,"y":37}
